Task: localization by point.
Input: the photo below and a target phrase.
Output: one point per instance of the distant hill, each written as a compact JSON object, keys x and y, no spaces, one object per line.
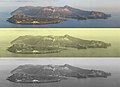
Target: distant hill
{"x":29,"y":14}
{"x":52,"y":44}
{"x":34,"y":73}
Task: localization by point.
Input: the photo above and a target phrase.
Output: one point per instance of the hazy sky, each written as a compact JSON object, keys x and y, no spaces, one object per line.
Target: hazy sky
{"x":92,"y":34}
{"x":106,"y":64}
{"x":103,"y":4}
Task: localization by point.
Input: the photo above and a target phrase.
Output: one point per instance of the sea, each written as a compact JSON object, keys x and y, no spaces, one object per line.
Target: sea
{"x":112,"y":22}
{"x":112,"y":81}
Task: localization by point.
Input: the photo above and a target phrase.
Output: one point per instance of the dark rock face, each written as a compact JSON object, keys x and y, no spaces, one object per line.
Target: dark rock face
{"x":52,"y":44}
{"x":22,"y":19}
{"x":51,"y":73}
{"x":34,"y":15}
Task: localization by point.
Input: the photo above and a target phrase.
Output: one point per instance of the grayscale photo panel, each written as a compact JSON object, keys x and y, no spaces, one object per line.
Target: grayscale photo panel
{"x":59,"y":72}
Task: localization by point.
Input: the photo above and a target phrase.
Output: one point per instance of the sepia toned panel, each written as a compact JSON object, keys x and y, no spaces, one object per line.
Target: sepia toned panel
{"x":59,"y":42}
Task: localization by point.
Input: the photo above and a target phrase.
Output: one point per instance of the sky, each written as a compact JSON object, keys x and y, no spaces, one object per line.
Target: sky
{"x":91,"y":4}
{"x":106,"y":64}
{"x":91,"y":34}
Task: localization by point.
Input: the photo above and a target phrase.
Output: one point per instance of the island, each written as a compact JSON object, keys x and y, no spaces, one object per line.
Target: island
{"x":52,"y":15}
{"x":29,"y":44}
{"x":52,"y":73}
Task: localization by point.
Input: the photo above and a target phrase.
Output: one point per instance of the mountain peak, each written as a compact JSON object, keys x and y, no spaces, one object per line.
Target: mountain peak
{"x":67,"y":6}
{"x":51,"y":6}
{"x":66,"y":65}
{"x":66,"y":35}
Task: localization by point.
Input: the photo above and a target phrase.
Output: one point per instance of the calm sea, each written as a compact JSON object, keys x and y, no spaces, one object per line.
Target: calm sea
{"x":114,"y":21}
{"x":112,"y":81}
